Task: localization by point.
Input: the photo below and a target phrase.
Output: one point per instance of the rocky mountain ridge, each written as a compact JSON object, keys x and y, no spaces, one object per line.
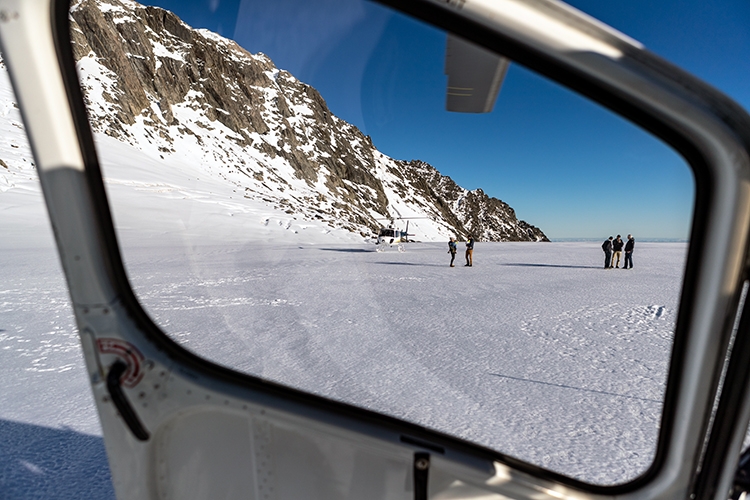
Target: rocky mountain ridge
{"x":153,"y":82}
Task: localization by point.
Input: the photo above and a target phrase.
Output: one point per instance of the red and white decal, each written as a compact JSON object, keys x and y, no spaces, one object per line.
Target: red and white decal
{"x":129,"y":353}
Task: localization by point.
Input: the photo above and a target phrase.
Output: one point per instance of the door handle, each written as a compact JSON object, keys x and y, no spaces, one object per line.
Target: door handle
{"x":121,"y":402}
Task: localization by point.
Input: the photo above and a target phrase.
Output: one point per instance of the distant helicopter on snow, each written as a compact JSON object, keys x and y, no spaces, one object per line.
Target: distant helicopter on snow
{"x":390,"y":235}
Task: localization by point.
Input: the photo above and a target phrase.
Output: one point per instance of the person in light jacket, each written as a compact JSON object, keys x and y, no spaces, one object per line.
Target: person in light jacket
{"x":616,"y":252}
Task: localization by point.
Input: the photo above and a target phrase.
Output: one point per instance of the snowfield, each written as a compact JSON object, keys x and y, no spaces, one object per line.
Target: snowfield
{"x":535,"y":351}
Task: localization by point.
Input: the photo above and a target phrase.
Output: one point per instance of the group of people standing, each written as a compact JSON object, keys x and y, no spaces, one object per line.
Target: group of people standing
{"x":613,"y":248}
{"x":613,"y":252}
{"x":453,"y":248}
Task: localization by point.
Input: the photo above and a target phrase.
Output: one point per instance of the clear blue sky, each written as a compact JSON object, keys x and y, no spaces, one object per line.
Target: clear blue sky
{"x":565,"y":164}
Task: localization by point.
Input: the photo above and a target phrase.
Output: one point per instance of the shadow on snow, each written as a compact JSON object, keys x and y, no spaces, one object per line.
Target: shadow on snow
{"x":520,"y":264}
{"x":41,"y":462}
{"x":349,"y":250}
{"x":411,"y":264}
{"x":574,"y":388}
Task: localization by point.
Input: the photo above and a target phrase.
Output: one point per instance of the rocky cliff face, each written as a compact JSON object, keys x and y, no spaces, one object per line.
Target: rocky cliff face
{"x":153,"y":82}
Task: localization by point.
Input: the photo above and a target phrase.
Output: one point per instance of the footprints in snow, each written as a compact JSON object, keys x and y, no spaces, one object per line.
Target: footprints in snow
{"x":612,"y":319}
{"x":288,"y":225}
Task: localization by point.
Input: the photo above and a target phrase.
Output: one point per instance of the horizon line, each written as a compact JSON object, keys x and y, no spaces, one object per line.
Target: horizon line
{"x":650,"y":240}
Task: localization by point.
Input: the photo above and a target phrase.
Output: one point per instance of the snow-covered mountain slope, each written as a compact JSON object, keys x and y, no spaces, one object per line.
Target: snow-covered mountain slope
{"x":23,"y":218}
{"x":194,"y":103}
{"x":155,"y":200}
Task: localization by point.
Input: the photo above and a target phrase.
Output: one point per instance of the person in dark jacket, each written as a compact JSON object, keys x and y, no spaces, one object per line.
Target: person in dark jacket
{"x":617,"y":251}
{"x":452,"y":249}
{"x":469,"y":251}
{"x":607,"y":247}
{"x":629,"y":246}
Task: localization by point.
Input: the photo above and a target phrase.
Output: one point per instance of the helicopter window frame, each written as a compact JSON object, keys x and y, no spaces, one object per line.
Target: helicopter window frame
{"x":499,"y":43}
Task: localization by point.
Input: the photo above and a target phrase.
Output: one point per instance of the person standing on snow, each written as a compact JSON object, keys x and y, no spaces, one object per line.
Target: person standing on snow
{"x":452,"y":249}
{"x":607,"y":247}
{"x":469,"y":251}
{"x":617,"y":247}
{"x":629,"y":246}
